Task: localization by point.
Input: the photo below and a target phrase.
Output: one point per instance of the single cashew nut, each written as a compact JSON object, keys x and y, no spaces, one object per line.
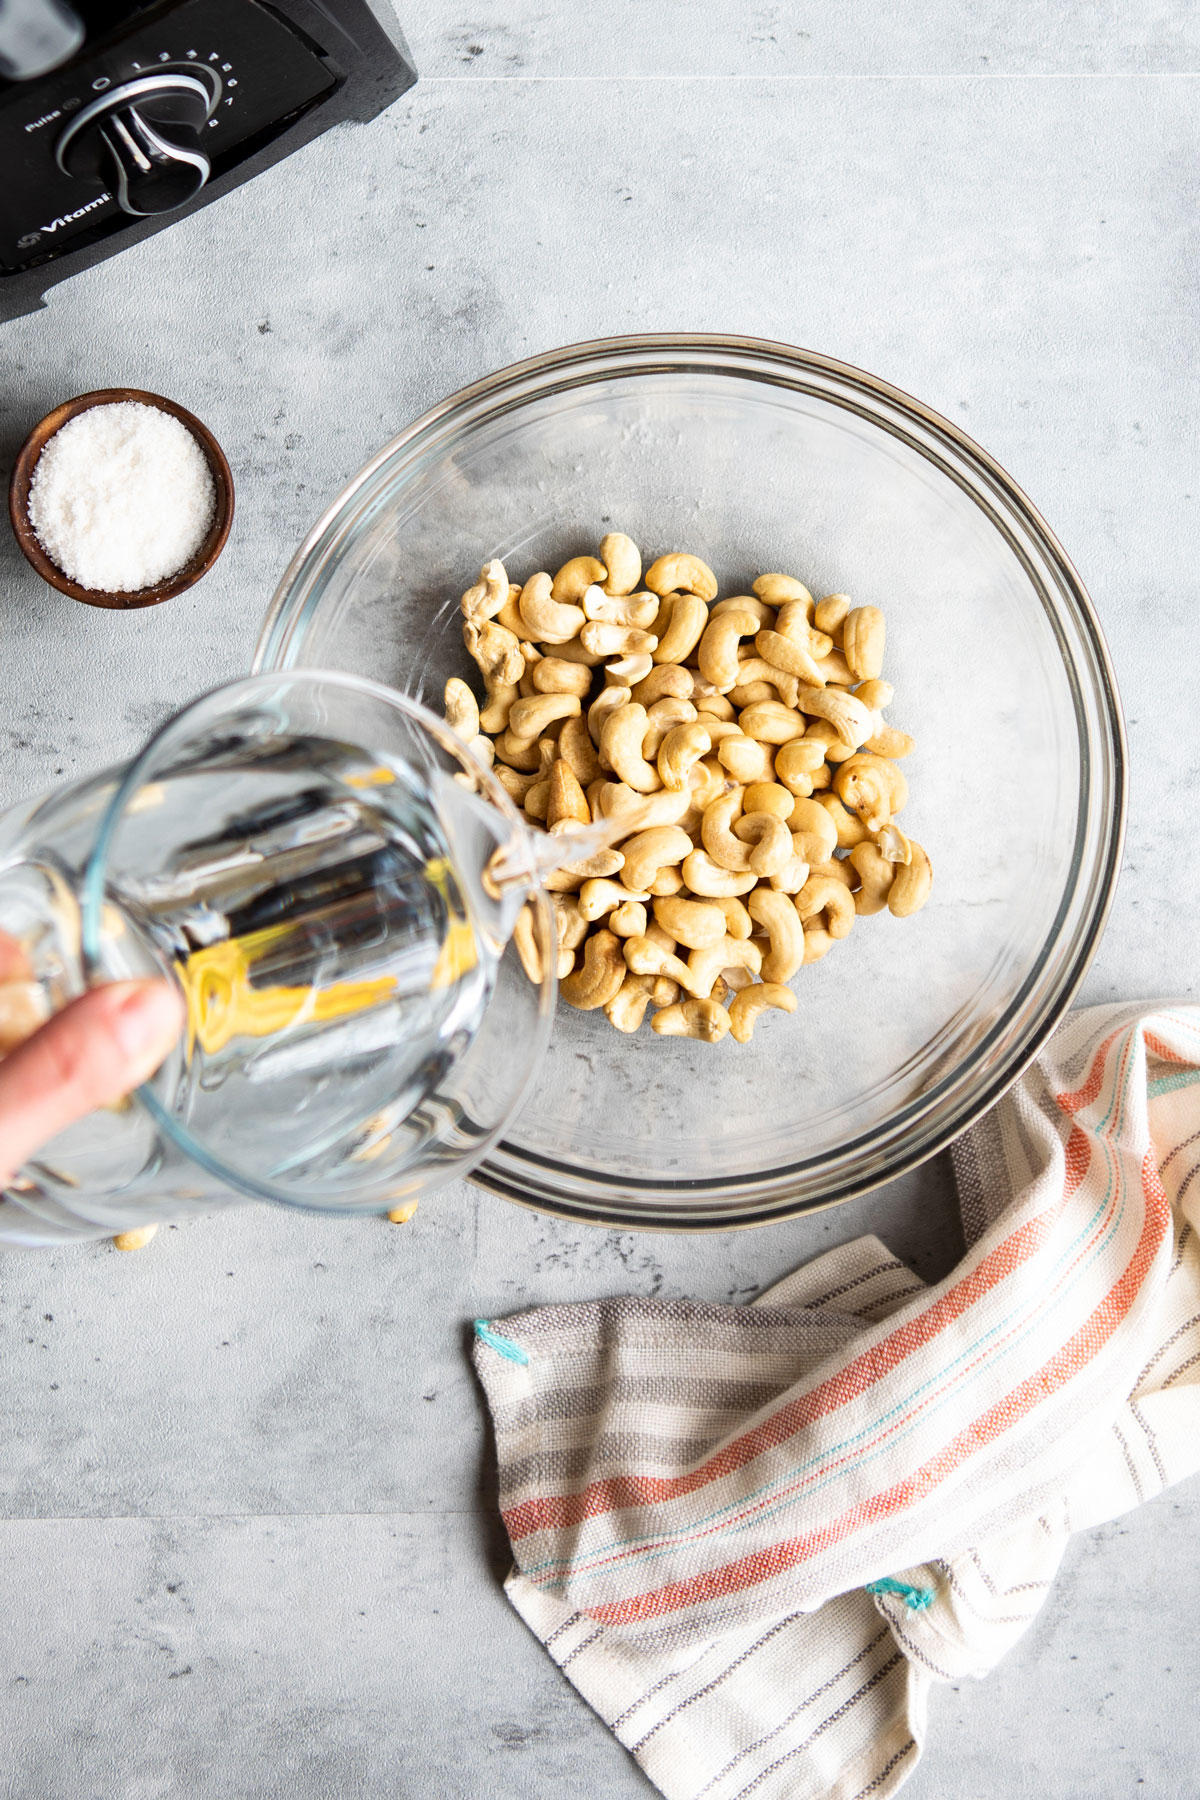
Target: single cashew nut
{"x":755,"y":673}
{"x":629,"y":669}
{"x":607,"y":701}
{"x":578,"y":752}
{"x":835,"y":670}
{"x":600,"y":978}
{"x":554,"y":675}
{"x":703,"y":876}
{"x":770,"y":842}
{"x":832,"y":748}
{"x":601,"y":896}
{"x":680,"y":573}
{"x":689,"y":616}
{"x":716,"y":832}
{"x":910,"y":889}
{"x":621,"y":737}
{"x":890,"y":743}
{"x":663,"y":846}
{"x":790,"y":655}
{"x":638,"y":610}
{"x":627,"y":1008}
{"x":530,"y":718}
{"x":817,"y":943}
{"x":137,"y":1239}
{"x":646,"y":957}
{"x":665,"y":681}
{"x":773,"y":723}
{"x":849,"y":827}
{"x":520,"y":753}
{"x":718,"y":649}
{"x":745,"y":603}
{"x":629,"y":920}
{"x":681,"y":749}
{"x":545,"y":615}
{"x":795,"y":871}
{"x":642,"y":812}
{"x":696,"y":923}
{"x":490,"y":593}
{"x":461,"y":708}
{"x":515,"y":784}
{"x":796,"y":762}
{"x":848,"y":716}
{"x":667,"y":882}
{"x":570,"y":926}
{"x":510,"y":613}
{"x":526,"y":944}
{"x":738,"y":923}
{"x":617,"y":640}
{"x":837,"y":870}
{"x":573,"y":651}
{"x":769,"y":797}
{"x":875,"y":874}
{"x":705,"y":965}
{"x":776,"y":913}
{"x":872,"y":787}
{"x":576,"y":577}
{"x":566,"y":799}
{"x":747,"y":1008}
{"x":821,"y":895}
{"x":863,"y":636}
{"x":623,"y":560}
{"x":876,"y":695}
{"x":664,"y":715}
{"x":746,"y":760}
{"x":811,"y":823}
{"x":498,"y":655}
{"x":776,"y":589}
{"x":831,"y":612}
{"x":705,"y":1020}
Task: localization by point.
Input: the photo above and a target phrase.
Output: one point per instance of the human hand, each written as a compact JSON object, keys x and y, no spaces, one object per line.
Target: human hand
{"x":91,"y":1053}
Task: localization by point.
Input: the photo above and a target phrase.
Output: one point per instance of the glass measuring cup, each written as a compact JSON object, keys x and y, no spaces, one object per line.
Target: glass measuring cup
{"x":331,"y":880}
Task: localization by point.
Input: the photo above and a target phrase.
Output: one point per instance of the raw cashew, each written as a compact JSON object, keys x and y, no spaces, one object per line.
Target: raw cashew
{"x":711,"y":704}
{"x":796,"y":762}
{"x":746,"y":1008}
{"x":746,"y":759}
{"x":629,"y":920}
{"x":872,"y":787}
{"x":717,"y":652}
{"x":817,"y":943}
{"x":617,"y":640}
{"x":602,"y":895}
{"x":665,"y":681}
{"x":498,"y":655}
{"x":607,"y":702}
{"x":769,"y":839}
{"x":811,"y":823}
{"x":545,"y":618}
{"x":717,"y":836}
{"x":696,"y":923}
{"x":795,"y":620}
{"x":664,"y":715}
{"x":573,"y":651}
{"x":835,"y":670}
{"x":890,"y":743}
{"x":577,"y":750}
{"x":621,"y":737}
{"x":703,"y":876}
{"x":681,"y":749}
{"x":629,"y":669}
{"x":863,"y":635}
{"x":777,"y":915}
{"x":566,"y":798}
{"x":627,"y":1008}
{"x":769,"y":797}
{"x":831,"y":612}
{"x":646,"y":957}
{"x":668,"y":881}
{"x":137,"y":1239}
{"x":826,"y":735}
{"x":519,"y":753}
{"x":705,"y":965}
{"x":680,"y":573}
{"x":745,"y":603}
{"x":490,"y":593}
{"x":638,"y":610}
{"x":773,"y":723}
{"x":850,"y":829}
{"x":642,"y":812}
{"x":820,"y":895}
{"x":623,"y":560}
{"x":461,"y":708}
{"x":530,"y":718}
{"x":554,"y":675}
{"x":515,"y":784}
{"x":510,"y":613}
{"x":526,"y":945}
{"x":649,"y":851}
{"x":569,"y":924}
{"x":893,"y":844}
{"x":689,"y":616}
{"x":875,"y":874}
{"x":848,"y":716}
{"x":910,"y":889}
{"x":576,"y":577}
{"x":876,"y":695}
{"x":738,"y":923}
{"x":601,"y":977}
{"x":789,"y":655}
{"x":795,"y":871}
{"x":706,"y":1020}
{"x":775,"y":589}
{"x":756,"y":672}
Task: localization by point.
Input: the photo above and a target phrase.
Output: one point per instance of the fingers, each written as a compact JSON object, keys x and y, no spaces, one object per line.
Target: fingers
{"x":88,"y":1055}
{"x":14,"y":964}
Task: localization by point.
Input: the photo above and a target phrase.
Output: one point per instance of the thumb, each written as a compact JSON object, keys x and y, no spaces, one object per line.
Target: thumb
{"x":88,"y":1055}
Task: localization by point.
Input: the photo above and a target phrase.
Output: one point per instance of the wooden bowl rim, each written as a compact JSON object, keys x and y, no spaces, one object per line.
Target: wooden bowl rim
{"x":197,"y":565}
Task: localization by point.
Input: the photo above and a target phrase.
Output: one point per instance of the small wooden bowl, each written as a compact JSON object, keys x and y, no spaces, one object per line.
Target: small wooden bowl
{"x":191,"y":572}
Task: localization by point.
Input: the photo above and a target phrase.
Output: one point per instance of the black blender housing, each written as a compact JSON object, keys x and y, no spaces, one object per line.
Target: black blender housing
{"x":149,"y":112}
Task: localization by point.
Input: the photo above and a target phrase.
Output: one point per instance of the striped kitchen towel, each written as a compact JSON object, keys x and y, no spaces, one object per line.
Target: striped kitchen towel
{"x":752,"y":1537}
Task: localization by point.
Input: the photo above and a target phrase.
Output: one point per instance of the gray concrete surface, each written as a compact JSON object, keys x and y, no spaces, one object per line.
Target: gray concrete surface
{"x":247,"y":1545}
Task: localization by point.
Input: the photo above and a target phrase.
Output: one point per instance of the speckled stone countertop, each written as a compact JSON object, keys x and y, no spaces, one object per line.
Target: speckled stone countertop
{"x":247,"y":1545}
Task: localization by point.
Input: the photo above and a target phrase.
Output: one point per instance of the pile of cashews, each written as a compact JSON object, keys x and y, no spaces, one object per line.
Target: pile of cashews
{"x":744,"y":742}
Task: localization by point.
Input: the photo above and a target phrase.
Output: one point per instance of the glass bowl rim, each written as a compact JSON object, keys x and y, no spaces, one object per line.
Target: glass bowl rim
{"x":535,"y":1181}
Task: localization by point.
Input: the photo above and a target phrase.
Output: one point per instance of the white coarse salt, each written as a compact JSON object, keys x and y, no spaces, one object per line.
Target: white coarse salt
{"x":122,"y":497}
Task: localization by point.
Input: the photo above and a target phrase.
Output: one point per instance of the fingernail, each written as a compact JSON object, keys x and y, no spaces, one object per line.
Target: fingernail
{"x":148,"y":1019}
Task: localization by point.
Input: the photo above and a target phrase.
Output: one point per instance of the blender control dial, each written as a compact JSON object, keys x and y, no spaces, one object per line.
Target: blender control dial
{"x":141,"y":138}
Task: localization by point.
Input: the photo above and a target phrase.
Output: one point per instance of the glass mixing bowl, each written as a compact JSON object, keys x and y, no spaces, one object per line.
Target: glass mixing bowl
{"x":758,"y":456}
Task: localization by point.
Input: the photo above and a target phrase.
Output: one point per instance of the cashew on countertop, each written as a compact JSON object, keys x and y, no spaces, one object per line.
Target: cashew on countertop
{"x":736,"y":749}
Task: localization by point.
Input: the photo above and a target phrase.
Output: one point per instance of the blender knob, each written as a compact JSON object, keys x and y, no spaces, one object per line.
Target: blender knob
{"x":141,"y":140}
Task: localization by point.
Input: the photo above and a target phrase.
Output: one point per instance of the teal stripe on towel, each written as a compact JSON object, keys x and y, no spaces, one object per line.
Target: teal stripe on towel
{"x":502,"y":1345}
{"x":1167,"y":1084}
{"x":915,"y":1598}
